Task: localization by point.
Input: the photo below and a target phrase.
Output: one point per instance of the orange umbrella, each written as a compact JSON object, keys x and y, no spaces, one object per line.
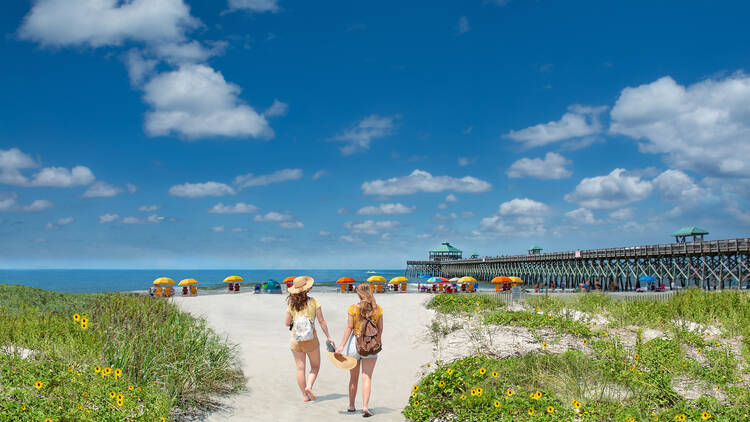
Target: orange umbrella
{"x":346,"y":280}
{"x":290,"y":280}
{"x":502,"y":280}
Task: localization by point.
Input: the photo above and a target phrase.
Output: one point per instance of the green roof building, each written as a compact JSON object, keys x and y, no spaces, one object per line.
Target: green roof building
{"x":445,"y":252}
{"x":535,"y":250}
{"x":681,"y":235}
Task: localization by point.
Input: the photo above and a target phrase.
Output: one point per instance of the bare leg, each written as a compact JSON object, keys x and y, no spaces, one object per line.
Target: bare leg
{"x":299,"y":360}
{"x":314,"y":357}
{"x":353,"y":381}
{"x":368,"y":365}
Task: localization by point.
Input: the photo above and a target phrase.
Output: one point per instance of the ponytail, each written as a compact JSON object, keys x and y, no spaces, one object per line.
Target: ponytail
{"x":367,"y":303}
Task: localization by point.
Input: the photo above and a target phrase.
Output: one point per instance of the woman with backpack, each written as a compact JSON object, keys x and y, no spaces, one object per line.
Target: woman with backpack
{"x":362,"y":340}
{"x":301,"y":314}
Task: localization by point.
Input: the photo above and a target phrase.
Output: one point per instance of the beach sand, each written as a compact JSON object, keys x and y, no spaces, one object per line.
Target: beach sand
{"x":255,"y":322}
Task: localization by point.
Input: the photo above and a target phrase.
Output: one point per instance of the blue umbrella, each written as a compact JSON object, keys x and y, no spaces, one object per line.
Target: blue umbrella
{"x":425,"y":276}
{"x":646,"y":279}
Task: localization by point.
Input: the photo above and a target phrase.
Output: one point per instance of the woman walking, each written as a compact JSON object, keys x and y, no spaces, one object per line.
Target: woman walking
{"x":363,"y":315}
{"x":301,"y":313}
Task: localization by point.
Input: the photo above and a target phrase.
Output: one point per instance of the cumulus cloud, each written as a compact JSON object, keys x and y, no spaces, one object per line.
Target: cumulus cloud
{"x":464,"y":161}
{"x":9,"y":203}
{"x":278,"y":108}
{"x":675,"y":185}
{"x":108,"y":218}
{"x":257,"y":6}
{"x":553,"y":166}
{"x":422,"y":181}
{"x":463,"y":25}
{"x":622,"y":214}
{"x":320,"y":173}
{"x":579,"y":121}
{"x":251,"y":180}
{"x":273,"y":239}
{"x":151,"y":219}
{"x":199,"y":190}
{"x":358,"y":137}
{"x":13,"y":161}
{"x":701,"y":127}
{"x":217,"y":229}
{"x":195,"y":101}
{"x":139,"y":67}
{"x":101,"y":190}
{"x":381,"y":209}
{"x":188,"y":52}
{"x":273,"y":216}
{"x":611,"y":191}
{"x":60,"y":223}
{"x":239,"y":230}
{"x":238,"y":208}
{"x":371,"y":227}
{"x":523,"y":207}
{"x":581,"y":216}
{"x":517,"y":217}
{"x":106,"y":22}
{"x":450,"y":198}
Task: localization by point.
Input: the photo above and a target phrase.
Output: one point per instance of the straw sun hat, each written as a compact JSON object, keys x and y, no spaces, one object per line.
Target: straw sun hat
{"x":340,"y":361}
{"x":301,"y":284}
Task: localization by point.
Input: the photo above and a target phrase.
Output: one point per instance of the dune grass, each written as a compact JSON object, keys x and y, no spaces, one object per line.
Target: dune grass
{"x":175,"y":364}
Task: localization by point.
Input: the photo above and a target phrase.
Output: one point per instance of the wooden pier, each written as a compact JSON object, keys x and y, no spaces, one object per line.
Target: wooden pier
{"x":715,"y":264}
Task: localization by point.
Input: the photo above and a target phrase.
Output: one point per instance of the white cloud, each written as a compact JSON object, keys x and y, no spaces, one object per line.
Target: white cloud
{"x":450,"y":198}
{"x":151,"y":219}
{"x":358,"y":137}
{"x":238,"y":208}
{"x":62,"y":178}
{"x":131,"y":188}
{"x":611,"y":191}
{"x":108,"y":218}
{"x":148,"y":208}
{"x":217,"y":229}
{"x":320,"y":173}
{"x":250,"y":180}
{"x":239,"y":230}
{"x":198,"y":190}
{"x":98,"y":23}
{"x":291,"y":225}
{"x":463,"y":25}
{"x":349,"y":239}
{"x":579,"y":121}
{"x":131,"y":220}
{"x":139,"y":67}
{"x":154,"y":219}
{"x":702,"y":127}
{"x":101,"y":190}
{"x":195,"y":101}
{"x":188,"y":52}
{"x":453,"y":215}
{"x":675,"y":185}
{"x":553,"y":166}
{"x":422,"y":181}
{"x":277,"y":109}
{"x":381,"y":209}
{"x":59,"y":223}
{"x":622,"y":214}
{"x":273,"y":216}
{"x":13,"y":161}
{"x":9,"y":203}
{"x":464,"y":161}
{"x":371,"y":227}
{"x":37,"y":205}
{"x":273,"y":239}
{"x":324,"y":233}
{"x":523,"y":207}
{"x":258,"y":6}
{"x":442,"y":206}
{"x":342,"y":211}
{"x":581,"y":216}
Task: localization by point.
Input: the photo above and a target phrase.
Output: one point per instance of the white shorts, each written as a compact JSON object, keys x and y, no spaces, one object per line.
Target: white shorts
{"x":351,"y":349}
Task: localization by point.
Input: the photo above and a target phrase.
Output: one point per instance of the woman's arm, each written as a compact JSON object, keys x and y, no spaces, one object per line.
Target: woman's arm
{"x":347,"y":332}
{"x":288,"y":319}
{"x":380,"y":326}
{"x":323,"y":325}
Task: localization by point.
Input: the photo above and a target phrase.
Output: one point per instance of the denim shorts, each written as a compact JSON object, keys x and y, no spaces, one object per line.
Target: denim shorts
{"x":351,"y":349}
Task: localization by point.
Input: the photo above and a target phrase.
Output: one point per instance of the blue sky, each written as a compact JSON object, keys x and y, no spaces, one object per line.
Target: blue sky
{"x":279,"y":134}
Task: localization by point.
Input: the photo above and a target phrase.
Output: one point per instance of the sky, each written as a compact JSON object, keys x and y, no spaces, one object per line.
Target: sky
{"x":349,"y":134}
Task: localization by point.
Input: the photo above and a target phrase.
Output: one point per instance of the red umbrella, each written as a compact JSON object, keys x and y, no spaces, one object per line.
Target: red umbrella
{"x":290,"y":281}
{"x":346,"y":280}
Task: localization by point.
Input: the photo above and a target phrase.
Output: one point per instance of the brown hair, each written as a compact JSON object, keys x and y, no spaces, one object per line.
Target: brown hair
{"x":367,"y":303}
{"x":298,"y":301}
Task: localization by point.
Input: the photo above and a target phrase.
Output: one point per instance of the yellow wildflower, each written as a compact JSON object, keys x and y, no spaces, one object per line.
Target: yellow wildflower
{"x":97,"y":369}
{"x":509,"y":392}
{"x":415,"y":388}
{"x":118,"y":373}
{"x":449,"y":371}
{"x":130,"y":387}
{"x":531,"y":412}
{"x":441,"y":384}
{"x":482,"y":371}
{"x":112,"y":394}
{"x":550,"y":409}
{"x":414,"y":394}
{"x":38,"y":385}
{"x":76,"y":317}
{"x":494,"y":374}
{"x":705,"y":416}
{"x":463,"y":396}
{"x":636,"y":356}
{"x":576,"y":404}
{"x":496,"y":403}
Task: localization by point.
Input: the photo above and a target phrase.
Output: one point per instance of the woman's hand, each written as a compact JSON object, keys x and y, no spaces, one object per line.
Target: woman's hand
{"x":330,"y":340}
{"x":340,"y":349}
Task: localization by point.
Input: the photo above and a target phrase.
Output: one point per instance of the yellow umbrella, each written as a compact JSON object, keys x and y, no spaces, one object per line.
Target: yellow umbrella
{"x":396,"y":280}
{"x":467,"y":280}
{"x":377,"y":279}
{"x":187,"y":282}
{"x":233,"y":279}
{"x":516,"y":280}
{"x":164,"y":280}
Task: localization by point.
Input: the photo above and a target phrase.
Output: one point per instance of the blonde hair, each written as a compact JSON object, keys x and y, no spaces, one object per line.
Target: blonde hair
{"x":367,"y":303}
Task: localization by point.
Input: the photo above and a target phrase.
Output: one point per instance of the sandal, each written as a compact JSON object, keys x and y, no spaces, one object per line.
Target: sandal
{"x":351,"y":410}
{"x":367,"y":414}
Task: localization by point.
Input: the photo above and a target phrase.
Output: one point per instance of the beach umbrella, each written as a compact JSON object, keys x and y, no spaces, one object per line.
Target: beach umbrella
{"x":502,"y":280}
{"x":454,"y":280}
{"x":437,"y":280}
{"x":290,"y":280}
{"x":346,"y":280}
{"x":233,"y":279}
{"x":396,"y":280}
{"x":164,"y":281}
{"x":187,"y":282}
{"x":516,"y":280}
{"x":377,"y":279}
{"x":467,"y":280}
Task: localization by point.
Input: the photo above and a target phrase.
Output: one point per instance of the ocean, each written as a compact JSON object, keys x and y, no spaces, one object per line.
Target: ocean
{"x":92,"y":281}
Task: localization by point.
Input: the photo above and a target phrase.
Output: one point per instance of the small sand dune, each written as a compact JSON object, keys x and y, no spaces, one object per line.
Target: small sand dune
{"x":256,"y":324}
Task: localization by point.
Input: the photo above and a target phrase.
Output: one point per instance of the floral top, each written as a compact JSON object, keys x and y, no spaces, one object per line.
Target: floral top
{"x":354,"y":311}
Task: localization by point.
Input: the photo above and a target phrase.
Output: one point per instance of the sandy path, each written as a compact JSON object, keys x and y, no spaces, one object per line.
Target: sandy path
{"x":255,"y":323}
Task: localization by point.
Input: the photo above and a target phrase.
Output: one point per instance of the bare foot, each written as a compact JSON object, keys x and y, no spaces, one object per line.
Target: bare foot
{"x":304,"y":397}
{"x":310,"y":394}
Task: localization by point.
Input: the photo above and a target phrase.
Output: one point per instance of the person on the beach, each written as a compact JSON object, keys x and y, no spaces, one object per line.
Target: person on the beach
{"x":301,"y":315}
{"x":364,"y":310}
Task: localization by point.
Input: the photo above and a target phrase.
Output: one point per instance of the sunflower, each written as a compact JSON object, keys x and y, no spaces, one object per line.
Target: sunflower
{"x":463,"y":396}
{"x":538,"y":309}
{"x":130,"y":387}
{"x":496,"y":403}
{"x":76,"y":317}
{"x":162,"y":419}
{"x":70,"y":369}
{"x":482,"y":371}
{"x":718,"y":388}
{"x":549,"y":317}
{"x":705,"y":416}
{"x":84,"y":326}
{"x":544,"y":345}
{"x":479,"y":392}
{"x":550,"y":409}
{"x":112,"y":394}
{"x":120,"y":397}
{"x":494,"y":374}
{"x":119,"y":402}
{"x":441,"y":384}
{"x":38,"y":385}
{"x":416,"y":403}
{"x":474,"y":392}
{"x":449,"y":371}
{"x":84,"y":320}
{"x":47,"y":420}
{"x":681,"y":417}
{"x":585,"y":342}
{"x":629,"y":419}
{"x":118,"y":373}
{"x":576,"y":404}
{"x":636,"y":356}
{"x":107,"y":370}
{"x":414,"y":394}
{"x":530,"y":412}
{"x":699,"y":351}
{"x":415,"y":388}
{"x":23,"y":407}
{"x":509,"y":392}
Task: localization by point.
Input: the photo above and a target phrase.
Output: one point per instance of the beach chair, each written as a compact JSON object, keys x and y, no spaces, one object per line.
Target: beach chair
{"x":463,"y":287}
{"x":231,"y":287}
{"x":379,"y":289}
{"x":470,"y":287}
{"x":237,"y":287}
{"x":158,"y":291}
{"x":193,"y":290}
{"x":343,"y":288}
{"x":403,"y":287}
